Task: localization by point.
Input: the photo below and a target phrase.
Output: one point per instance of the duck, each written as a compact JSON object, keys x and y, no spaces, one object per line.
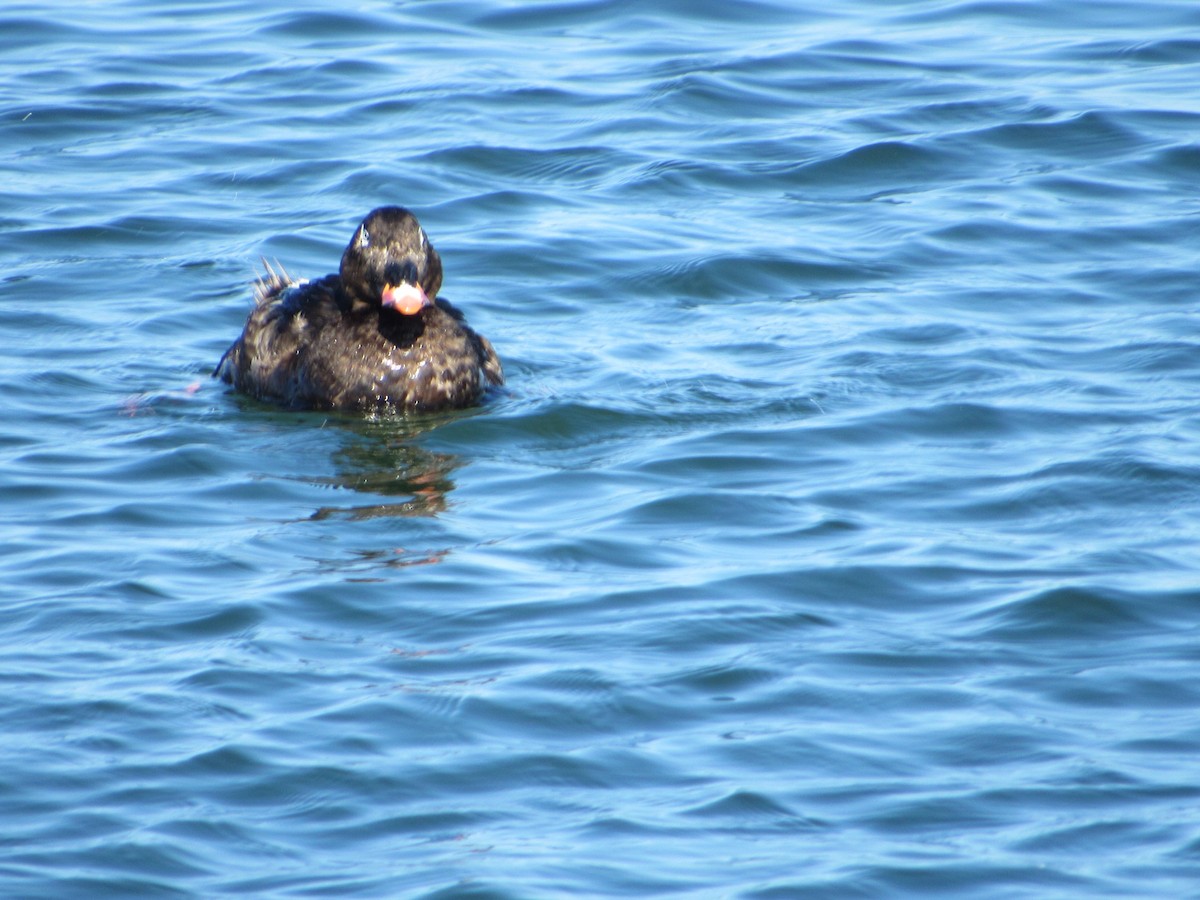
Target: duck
{"x":373,"y":338}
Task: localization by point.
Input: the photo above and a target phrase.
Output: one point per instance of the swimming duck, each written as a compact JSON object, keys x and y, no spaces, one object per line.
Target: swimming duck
{"x":374,"y":337}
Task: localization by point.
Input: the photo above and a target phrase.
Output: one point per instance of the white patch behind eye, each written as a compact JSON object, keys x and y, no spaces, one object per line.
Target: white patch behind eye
{"x":424,"y":239}
{"x":364,"y":239}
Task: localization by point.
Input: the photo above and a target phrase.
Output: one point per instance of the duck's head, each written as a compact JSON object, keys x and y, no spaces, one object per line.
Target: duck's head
{"x":390,"y":263}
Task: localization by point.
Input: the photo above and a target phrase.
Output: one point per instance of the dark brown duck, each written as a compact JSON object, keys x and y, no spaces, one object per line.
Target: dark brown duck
{"x":374,"y":337}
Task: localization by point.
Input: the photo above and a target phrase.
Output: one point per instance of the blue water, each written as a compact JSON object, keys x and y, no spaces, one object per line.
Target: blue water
{"x":837,"y":535}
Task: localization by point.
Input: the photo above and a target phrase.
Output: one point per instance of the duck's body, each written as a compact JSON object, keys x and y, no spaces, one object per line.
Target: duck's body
{"x":372,"y":338}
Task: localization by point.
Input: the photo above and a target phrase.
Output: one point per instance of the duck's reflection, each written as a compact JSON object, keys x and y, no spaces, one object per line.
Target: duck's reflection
{"x":382,"y":458}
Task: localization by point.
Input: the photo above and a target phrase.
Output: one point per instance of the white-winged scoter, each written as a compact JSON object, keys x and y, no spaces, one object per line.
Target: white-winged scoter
{"x":374,"y":337}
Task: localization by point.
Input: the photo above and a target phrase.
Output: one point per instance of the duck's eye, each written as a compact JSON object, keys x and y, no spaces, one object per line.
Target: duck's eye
{"x":364,"y":239}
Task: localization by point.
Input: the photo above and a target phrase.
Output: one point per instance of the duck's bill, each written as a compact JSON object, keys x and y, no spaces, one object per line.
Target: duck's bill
{"x":407,"y":299}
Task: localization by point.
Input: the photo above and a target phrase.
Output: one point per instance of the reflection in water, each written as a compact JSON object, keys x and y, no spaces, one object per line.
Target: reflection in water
{"x":381,"y":458}
{"x":381,"y":462}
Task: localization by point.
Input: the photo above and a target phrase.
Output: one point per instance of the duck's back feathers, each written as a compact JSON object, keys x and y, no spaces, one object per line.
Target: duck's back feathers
{"x":273,"y":280}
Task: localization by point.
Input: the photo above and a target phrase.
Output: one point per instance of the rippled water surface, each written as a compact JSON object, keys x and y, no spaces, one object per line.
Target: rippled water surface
{"x":836,"y":535}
